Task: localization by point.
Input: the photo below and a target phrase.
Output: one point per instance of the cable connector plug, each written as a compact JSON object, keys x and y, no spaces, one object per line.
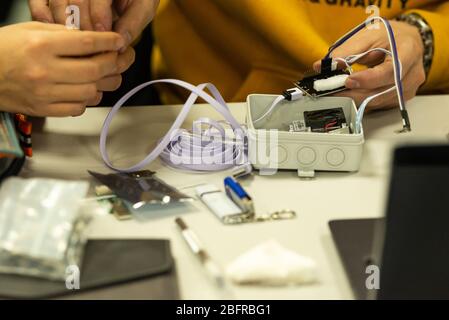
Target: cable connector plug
{"x":292,"y":94}
{"x":406,"y":127}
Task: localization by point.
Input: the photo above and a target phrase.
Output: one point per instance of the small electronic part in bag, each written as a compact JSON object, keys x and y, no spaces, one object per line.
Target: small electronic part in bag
{"x":118,"y":207}
{"x":119,"y":210}
{"x":43,"y":227}
{"x":141,"y":188}
{"x":326,"y":120}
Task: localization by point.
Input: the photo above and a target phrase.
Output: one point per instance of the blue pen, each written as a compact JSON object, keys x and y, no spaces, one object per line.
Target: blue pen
{"x":237,"y":194}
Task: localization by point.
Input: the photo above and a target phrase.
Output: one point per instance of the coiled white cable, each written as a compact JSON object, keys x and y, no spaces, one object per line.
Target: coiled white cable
{"x":200,"y":150}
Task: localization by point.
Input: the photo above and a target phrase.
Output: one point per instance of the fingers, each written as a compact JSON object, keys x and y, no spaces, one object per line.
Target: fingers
{"x":40,"y":11}
{"x":37,"y":25}
{"x":85,"y":70}
{"x":113,"y":82}
{"x":383,"y":74}
{"x":359,"y":95}
{"x":101,"y":14}
{"x":353,"y":48}
{"x":411,"y":83}
{"x":84,"y":43}
{"x":137,"y":15}
{"x":92,"y":69}
{"x":361,"y":42}
{"x":84,"y":11}
{"x":372,"y":78}
{"x":110,"y":83}
{"x":372,"y":59}
{"x":121,"y":5}
{"x":126,"y":59}
{"x":73,"y":92}
{"x":58,"y":8}
{"x":95,"y":101}
{"x":61,"y":104}
{"x":62,"y":109}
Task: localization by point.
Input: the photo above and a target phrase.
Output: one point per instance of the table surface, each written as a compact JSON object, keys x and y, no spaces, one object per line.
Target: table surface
{"x":67,"y":148}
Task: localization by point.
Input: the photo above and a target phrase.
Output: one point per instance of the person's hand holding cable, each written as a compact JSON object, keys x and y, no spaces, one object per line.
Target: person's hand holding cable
{"x":380,"y":74}
{"x":127,"y":17}
{"x":43,"y":72}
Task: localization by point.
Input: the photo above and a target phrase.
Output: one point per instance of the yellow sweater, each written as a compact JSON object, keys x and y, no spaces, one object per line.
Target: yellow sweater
{"x":249,"y":46}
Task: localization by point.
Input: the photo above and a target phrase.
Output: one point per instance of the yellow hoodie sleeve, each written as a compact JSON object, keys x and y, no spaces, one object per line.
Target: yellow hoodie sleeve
{"x":438,"y":78}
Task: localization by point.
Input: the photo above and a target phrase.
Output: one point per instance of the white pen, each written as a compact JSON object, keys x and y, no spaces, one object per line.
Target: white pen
{"x":197,"y":248}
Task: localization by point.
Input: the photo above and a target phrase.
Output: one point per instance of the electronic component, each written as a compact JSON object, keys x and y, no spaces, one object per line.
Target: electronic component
{"x":141,"y":188}
{"x":119,"y":210}
{"x":397,"y":69}
{"x":103,"y":190}
{"x":221,"y":205}
{"x":288,"y":95}
{"x":333,"y":145}
{"x":322,"y":84}
{"x":331,"y":83}
{"x":298,"y":126}
{"x":237,"y":194}
{"x":325,"y":120}
{"x":242,"y":171}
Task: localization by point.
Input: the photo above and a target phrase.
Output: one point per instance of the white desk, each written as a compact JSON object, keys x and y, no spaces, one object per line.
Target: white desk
{"x":66,"y":148}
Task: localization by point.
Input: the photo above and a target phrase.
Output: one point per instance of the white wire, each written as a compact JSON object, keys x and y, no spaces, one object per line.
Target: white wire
{"x":345,"y":61}
{"x":353,"y":58}
{"x":395,"y":67}
{"x":361,"y":111}
{"x":276,"y":101}
{"x":363,"y":105}
{"x":395,"y":70}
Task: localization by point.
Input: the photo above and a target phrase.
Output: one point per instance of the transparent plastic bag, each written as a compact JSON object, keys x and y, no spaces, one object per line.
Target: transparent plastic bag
{"x":41,"y":226}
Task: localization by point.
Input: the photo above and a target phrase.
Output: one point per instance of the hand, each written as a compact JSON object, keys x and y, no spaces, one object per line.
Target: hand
{"x":47,"y":70}
{"x":112,"y":82}
{"x":132,"y":15}
{"x":379,"y":76}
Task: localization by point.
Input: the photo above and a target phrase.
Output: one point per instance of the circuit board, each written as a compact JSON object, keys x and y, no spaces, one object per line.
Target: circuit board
{"x":306,"y":84}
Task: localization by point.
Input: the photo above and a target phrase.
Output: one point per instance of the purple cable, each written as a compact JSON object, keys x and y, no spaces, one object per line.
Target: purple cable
{"x":201,"y":150}
{"x":395,"y":56}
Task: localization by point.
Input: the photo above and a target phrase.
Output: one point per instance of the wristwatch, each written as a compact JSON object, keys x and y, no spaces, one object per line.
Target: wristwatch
{"x":426,"y":33}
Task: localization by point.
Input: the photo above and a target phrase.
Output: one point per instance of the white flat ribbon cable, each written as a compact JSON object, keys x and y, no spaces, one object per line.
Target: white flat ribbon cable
{"x":199,"y":150}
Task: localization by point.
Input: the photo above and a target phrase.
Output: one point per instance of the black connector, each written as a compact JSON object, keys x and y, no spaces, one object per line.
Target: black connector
{"x":288,"y":94}
{"x":292,"y":94}
{"x":326,"y":66}
{"x":405,"y":121}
